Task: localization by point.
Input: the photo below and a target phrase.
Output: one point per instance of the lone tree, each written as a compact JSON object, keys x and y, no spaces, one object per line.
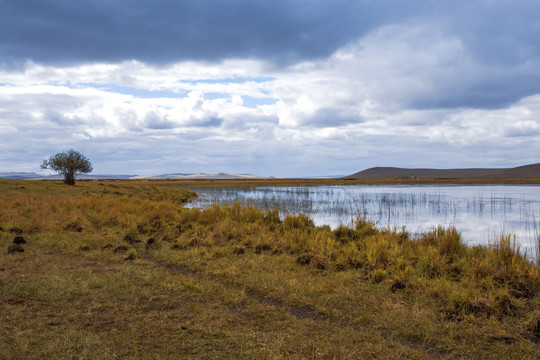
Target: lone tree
{"x":68,"y":163}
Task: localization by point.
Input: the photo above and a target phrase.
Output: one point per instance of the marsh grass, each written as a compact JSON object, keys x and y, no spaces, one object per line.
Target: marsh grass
{"x":536,"y":240}
{"x":479,"y":212}
{"x":239,"y":282}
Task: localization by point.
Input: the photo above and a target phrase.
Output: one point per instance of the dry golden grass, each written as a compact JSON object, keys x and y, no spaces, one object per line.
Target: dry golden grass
{"x":122,"y":270}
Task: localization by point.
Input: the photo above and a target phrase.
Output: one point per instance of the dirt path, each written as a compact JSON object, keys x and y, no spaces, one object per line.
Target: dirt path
{"x":298,"y":312}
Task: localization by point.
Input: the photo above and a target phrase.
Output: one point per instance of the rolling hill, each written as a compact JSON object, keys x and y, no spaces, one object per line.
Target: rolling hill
{"x":218,"y":176}
{"x":521,"y":172}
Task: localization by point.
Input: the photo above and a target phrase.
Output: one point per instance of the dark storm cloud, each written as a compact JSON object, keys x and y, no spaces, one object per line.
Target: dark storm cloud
{"x":485,"y":92}
{"x":500,"y":35}
{"x":164,"y":31}
{"x":504,"y":38}
{"x":497,"y":32}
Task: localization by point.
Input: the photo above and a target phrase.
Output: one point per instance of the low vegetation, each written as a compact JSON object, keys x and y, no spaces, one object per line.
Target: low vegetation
{"x":122,"y":269}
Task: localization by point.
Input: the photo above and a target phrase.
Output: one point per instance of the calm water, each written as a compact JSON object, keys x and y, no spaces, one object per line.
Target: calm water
{"x":481,"y":212}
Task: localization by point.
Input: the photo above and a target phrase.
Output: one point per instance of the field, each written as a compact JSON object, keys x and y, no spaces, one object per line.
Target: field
{"x":120,"y":269}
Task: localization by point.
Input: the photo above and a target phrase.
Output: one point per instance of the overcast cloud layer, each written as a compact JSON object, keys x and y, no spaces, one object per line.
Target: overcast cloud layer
{"x":282,"y":87}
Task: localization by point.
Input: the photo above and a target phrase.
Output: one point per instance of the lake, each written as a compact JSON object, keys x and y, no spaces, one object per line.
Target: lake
{"x":479,"y":212}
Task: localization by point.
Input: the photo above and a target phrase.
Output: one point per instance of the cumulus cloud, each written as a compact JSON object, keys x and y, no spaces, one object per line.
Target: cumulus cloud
{"x":286,"y":88}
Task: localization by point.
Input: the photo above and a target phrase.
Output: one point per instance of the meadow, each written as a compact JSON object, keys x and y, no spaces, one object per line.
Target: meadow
{"x":122,"y":269}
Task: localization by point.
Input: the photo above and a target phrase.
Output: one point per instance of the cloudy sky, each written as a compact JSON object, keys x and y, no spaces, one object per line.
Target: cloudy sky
{"x":282,"y":87}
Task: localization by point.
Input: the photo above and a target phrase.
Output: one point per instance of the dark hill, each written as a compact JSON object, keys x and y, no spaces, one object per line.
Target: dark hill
{"x":522,"y":172}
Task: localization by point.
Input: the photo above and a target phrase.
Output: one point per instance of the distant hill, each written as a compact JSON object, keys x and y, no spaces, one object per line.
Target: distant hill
{"x":37,"y":176}
{"x":218,"y":176}
{"x":522,"y":172}
{"x":20,"y":175}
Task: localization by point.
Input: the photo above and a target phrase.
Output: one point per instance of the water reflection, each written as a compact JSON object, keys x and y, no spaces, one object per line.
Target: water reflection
{"x":480,"y":213}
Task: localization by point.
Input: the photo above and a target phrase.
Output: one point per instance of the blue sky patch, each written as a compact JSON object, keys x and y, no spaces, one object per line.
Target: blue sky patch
{"x":252,"y":102}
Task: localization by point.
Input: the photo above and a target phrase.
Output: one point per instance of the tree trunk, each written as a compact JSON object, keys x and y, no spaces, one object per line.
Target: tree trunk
{"x":69,"y":178}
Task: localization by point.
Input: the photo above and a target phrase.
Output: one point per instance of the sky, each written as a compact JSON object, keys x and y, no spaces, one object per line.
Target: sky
{"x":286,"y":88}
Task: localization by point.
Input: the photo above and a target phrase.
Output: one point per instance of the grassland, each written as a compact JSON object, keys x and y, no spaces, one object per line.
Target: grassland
{"x":332,"y":181}
{"x":122,"y":270}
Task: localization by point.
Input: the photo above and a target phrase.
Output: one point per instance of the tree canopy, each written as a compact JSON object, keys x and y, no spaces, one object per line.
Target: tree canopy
{"x":68,"y":163}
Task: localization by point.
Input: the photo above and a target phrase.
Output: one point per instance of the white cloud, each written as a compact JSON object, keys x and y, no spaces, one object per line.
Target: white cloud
{"x":373,"y":100}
